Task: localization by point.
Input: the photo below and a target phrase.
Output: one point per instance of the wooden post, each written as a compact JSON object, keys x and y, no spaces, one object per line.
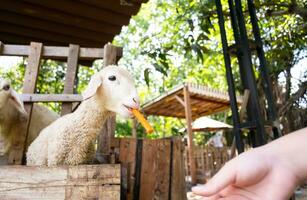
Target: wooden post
{"x":70,"y":77}
{"x":29,"y":86}
{"x":108,"y":132}
{"x":188,"y":116}
{"x":134,"y":128}
{"x":1,"y":47}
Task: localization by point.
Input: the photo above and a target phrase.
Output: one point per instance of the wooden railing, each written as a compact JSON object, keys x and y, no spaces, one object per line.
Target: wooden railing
{"x":209,"y":160}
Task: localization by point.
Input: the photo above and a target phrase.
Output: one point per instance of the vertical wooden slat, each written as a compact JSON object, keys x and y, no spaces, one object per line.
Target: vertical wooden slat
{"x":155,"y":169}
{"x":70,"y":77}
{"x":127,"y":154}
{"x":107,"y":133}
{"x":29,"y":86}
{"x":178,"y":190}
{"x":188,"y":115}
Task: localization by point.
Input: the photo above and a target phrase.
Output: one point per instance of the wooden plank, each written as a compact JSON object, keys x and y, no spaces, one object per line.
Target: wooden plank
{"x":51,"y":98}
{"x":56,"y":52}
{"x":178,"y":190}
{"x":188,"y":116}
{"x":155,"y":171}
{"x":63,"y":182}
{"x":80,"y":9}
{"x":55,"y":27}
{"x":127,"y":155}
{"x":114,"y":6}
{"x":70,"y":76}
{"x":49,"y":36}
{"x":29,"y":86}
{"x":100,"y":182}
{"x":41,"y":12}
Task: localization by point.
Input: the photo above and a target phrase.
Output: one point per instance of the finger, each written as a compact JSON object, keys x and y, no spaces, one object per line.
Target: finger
{"x":222,"y":179}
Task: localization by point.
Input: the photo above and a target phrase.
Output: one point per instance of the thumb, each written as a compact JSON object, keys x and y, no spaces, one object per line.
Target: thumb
{"x":221,"y":180}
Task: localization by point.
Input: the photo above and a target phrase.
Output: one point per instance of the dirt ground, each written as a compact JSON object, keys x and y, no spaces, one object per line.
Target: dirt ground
{"x":300,"y":194}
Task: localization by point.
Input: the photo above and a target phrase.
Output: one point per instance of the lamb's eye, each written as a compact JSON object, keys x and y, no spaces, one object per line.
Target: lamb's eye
{"x":112,"y":78}
{"x":6,"y":87}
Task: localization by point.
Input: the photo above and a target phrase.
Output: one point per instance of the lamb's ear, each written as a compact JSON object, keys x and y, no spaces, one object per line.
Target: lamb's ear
{"x":23,"y":115}
{"x":92,"y":87}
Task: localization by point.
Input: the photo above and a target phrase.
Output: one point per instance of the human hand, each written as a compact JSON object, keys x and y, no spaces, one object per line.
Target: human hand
{"x":254,"y":175}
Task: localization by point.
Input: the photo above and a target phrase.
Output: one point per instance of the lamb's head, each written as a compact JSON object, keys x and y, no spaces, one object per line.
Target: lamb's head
{"x":114,"y":87}
{"x":9,"y":99}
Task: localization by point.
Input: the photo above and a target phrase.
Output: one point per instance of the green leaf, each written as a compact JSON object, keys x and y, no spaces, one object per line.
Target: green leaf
{"x":146,"y":76}
{"x":160,"y":69}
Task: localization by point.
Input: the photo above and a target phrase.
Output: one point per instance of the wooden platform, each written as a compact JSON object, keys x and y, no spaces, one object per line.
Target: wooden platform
{"x":58,"y":183}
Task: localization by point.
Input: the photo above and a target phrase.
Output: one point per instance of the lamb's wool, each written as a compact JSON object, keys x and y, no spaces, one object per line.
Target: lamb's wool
{"x":69,"y":140}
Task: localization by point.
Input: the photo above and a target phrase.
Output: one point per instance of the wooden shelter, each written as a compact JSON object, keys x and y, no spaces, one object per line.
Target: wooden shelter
{"x":88,"y":23}
{"x":189,"y":101}
{"x":204,"y":101}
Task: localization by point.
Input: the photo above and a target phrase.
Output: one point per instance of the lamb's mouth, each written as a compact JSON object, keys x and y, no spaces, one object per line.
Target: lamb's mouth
{"x":128,"y":108}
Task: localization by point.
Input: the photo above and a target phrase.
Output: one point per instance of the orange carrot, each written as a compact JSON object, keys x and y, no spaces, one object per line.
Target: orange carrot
{"x":142,"y":120}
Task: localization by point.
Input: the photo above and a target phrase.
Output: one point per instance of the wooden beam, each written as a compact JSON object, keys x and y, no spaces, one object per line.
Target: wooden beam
{"x":29,"y":86}
{"x":188,"y":116}
{"x":47,"y":35}
{"x":9,"y":38}
{"x":55,"y":52}
{"x":51,"y":98}
{"x":76,"y":8}
{"x":114,"y":6}
{"x":55,"y":27}
{"x":41,"y":12}
{"x":62,"y":182}
{"x":70,"y":76}
{"x":179,"y":100}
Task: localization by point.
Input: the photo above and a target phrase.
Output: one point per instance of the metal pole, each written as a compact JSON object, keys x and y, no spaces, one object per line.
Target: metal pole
{"x":272,"y":114}
{"x":246,"y":58}
{"x":235,"y":28}
{"x":231,"y":87}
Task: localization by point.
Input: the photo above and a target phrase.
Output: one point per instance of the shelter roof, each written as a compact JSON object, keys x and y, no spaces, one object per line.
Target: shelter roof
{"x":204,"y":101}
{"x":89,"y":23}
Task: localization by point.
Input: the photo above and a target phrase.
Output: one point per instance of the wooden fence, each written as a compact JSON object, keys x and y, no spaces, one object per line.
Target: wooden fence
{"x":209,"y":160}
{"x":152,"y":169}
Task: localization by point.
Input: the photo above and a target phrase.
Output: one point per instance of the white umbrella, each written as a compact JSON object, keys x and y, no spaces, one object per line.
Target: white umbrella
{"x":207,"y":124}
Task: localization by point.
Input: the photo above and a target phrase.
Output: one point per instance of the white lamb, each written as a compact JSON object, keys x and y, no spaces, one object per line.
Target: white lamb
{"x":13,"y":119}
{"x":69,"y":140}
